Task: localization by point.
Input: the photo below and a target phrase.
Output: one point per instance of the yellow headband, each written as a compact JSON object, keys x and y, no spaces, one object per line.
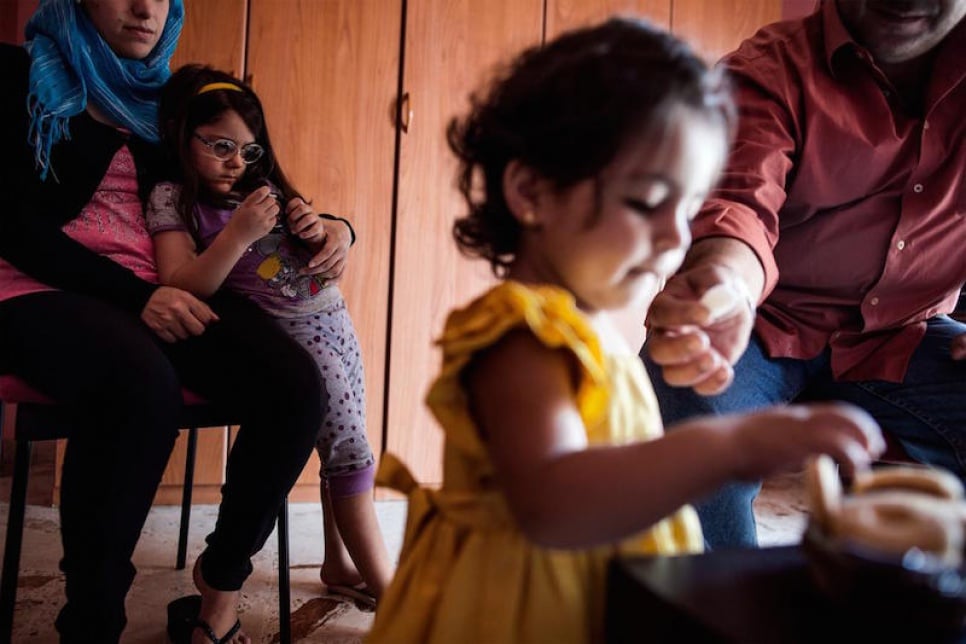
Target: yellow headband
{"x":210,"y":87}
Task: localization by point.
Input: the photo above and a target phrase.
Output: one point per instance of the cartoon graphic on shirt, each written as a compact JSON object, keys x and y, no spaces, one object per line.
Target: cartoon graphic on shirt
{"x":280,"y":267}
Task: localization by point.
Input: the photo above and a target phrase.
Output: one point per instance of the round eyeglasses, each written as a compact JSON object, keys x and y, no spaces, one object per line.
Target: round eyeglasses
{"x":224,"y":149}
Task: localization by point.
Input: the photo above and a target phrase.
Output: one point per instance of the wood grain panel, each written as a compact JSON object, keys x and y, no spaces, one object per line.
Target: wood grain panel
{"x":451,"y":46}
{"x":213,"y":34}
{"x":563,"y":15}
{"x":716,"y":27}
{"x":327,"y":73}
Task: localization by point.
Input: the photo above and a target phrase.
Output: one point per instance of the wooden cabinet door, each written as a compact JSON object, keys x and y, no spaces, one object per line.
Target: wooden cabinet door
{"x":213,"y":34}
{"x":327,"y":74}
{"x":563,"y":15}
{"x":450,"y":47}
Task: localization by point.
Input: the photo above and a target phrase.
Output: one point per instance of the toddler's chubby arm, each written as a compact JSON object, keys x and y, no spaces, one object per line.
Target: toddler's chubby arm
{"x":564,"y":493}
{"x":181,"y":265}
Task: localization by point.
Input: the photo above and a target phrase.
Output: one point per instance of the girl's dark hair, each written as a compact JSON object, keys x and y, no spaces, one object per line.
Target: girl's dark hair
{"x":182,"y":109}
{"x":565,"y":110}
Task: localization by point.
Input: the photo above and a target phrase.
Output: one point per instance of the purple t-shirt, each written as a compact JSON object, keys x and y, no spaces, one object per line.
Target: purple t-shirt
{"x":268,"y":270}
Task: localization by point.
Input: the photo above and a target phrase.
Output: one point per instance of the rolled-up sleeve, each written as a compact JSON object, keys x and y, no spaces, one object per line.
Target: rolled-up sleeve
{"x":751,"y":193}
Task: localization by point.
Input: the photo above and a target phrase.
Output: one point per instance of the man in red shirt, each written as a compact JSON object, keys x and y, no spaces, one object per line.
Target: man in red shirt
{"x":841,"y":218}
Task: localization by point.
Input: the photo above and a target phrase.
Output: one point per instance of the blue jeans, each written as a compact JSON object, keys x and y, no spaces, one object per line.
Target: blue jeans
{"x":926,"y":413}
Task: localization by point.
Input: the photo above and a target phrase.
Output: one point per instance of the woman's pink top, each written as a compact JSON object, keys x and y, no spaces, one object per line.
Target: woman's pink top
{"x":112,"y":225}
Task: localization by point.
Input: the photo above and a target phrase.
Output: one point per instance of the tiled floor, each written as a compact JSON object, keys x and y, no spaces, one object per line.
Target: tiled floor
{"x":315,"y":618}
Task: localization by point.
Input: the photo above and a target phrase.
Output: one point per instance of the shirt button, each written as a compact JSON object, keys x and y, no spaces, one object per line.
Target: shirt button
{"x":917,"y":187}
{"x":835,"y":336}
{"x":901,"y":244}
{"x":874,"y":301}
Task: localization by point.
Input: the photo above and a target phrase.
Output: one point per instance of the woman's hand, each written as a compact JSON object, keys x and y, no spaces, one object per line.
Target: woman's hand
{"x":254,"y":218}
{"x":175,"y":315}
{"x":304,"y":223}
{"x":331,"y":253}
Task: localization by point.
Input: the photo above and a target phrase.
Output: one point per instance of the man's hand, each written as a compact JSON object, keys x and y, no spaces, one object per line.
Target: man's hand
{"x":175,"y":315}
{"x":695,"y":345}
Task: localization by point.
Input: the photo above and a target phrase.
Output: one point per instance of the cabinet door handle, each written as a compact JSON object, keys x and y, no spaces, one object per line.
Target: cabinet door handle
{"x":405,"y":112}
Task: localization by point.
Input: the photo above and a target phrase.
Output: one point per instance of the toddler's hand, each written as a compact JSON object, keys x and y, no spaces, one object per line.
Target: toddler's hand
{"x":782,"y":438}
{"x":255,"y":217}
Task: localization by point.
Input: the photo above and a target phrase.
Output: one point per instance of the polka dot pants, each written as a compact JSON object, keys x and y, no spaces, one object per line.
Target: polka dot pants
{"x":330,"y":338}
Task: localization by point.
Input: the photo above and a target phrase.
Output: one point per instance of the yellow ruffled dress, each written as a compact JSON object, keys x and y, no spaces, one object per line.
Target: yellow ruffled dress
{"x":466,"y":572}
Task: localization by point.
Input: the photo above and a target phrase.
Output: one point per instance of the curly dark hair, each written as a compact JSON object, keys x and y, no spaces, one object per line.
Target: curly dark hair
{"x":182,"y":109}
{"x":565,"y":110}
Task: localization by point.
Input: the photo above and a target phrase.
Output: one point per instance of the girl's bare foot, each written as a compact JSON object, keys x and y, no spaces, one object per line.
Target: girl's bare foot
{"x":339,"y":575}
{"x":219,"y":609}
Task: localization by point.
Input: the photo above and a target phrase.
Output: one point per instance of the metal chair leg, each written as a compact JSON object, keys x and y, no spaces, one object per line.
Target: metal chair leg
{"x":11,"y":552}
{"x":186,"y":491}
{"x":284,"y":589}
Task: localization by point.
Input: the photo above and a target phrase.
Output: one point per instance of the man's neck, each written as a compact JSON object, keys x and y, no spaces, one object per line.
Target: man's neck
{"x":911,"y":79}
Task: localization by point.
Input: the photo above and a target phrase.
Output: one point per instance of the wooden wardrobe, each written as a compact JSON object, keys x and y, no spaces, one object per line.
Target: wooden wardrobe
{"x":357,"y":95}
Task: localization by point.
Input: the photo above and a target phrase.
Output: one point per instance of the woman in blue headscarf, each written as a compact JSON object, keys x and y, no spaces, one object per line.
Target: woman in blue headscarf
{"x":83,"y":320}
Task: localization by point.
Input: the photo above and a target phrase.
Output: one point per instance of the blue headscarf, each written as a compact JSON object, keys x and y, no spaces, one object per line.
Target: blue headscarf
{"x":71,"y":64}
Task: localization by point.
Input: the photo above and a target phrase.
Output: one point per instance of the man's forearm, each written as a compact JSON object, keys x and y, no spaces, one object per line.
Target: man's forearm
{"x":733,"y":254}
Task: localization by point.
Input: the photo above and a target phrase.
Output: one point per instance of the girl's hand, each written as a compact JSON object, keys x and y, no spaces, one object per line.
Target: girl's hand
{"x":254,"y":218}
{"x":304,"y":223}
{"x":782,"y":438}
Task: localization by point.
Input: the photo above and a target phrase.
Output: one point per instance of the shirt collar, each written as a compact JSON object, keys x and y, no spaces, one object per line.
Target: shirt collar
{"x":836,"y":35}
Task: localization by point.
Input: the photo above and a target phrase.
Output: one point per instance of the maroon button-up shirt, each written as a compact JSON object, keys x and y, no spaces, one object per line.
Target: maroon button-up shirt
{"x":856,"y":208}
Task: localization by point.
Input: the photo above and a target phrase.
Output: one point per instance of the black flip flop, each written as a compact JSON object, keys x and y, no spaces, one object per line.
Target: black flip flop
{"x":183,"y":620}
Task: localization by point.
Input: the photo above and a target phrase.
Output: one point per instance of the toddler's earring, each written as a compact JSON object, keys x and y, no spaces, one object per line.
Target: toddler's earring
{"x":529,"y":218}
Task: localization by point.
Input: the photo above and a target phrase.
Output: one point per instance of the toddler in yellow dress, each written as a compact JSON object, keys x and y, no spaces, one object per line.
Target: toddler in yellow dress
{"x":582,"y":167}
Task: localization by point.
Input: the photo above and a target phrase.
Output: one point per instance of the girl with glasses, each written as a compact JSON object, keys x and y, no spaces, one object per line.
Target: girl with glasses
{"x":231,"y":219}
